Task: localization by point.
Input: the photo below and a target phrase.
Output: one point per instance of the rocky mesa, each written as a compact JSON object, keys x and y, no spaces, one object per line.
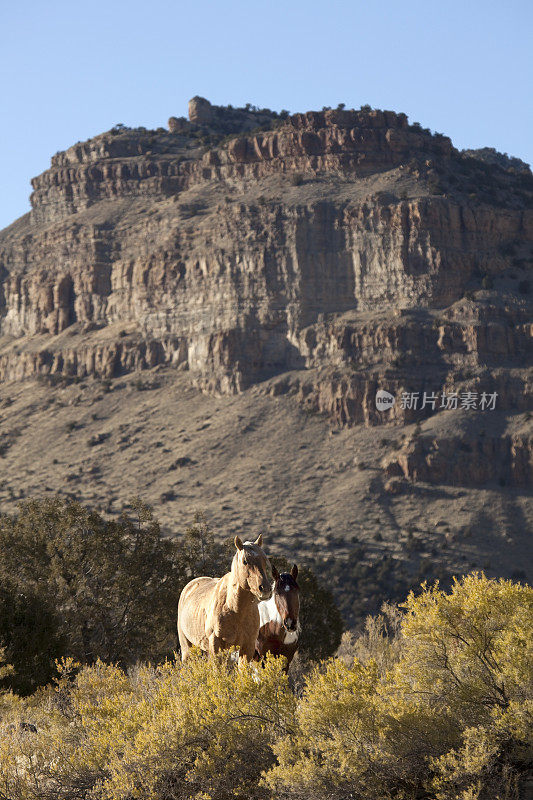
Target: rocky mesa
{"x":317,"y":256}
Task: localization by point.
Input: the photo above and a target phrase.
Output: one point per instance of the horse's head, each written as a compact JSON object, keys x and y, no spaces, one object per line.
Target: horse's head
{"x":287,"y":596}
{"x":252,"y":568}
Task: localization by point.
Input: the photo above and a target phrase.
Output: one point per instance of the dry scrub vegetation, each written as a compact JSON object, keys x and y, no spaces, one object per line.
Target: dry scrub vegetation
{"x":437,"y":704}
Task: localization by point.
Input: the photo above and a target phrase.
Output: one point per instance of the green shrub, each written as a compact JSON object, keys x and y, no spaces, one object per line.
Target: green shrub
{"x":30,"y":629}
{"x":110,"y":586}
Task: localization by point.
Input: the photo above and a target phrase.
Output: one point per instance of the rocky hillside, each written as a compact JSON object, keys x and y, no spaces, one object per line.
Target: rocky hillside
{"x":308,"y":260}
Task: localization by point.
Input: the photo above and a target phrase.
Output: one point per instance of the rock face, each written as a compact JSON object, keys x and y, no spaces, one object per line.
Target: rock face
{"x":506,"y":459}
{"x":342,"y":251}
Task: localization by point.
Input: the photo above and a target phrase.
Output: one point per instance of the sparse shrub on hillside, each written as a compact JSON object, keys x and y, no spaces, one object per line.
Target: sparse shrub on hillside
{"x":58,"y":379}
{"x":508,"y":249}
{"x":296,"y":179}
{"x":360,"y":587}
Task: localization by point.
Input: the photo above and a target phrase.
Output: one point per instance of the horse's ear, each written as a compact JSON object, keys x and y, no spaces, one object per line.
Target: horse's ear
{"x":275,"y":573}
{"x":294,"y":571}
{"x":259,"y":540}
{"x":238,"y":543}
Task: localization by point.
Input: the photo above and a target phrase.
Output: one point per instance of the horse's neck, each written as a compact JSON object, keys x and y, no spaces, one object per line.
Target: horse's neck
{"x":268,"y":613}
{"x":237,"y":598}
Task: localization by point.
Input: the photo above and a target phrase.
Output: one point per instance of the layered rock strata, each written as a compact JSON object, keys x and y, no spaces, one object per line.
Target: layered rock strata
{"x":329,"y":253}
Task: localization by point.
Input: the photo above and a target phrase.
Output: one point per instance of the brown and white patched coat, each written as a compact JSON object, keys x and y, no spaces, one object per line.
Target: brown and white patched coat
{"x":279,"y":625}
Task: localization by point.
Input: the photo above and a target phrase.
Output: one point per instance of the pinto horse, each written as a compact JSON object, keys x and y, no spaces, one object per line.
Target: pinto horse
{"x":279,"y":624}
{"x":218,"y":613}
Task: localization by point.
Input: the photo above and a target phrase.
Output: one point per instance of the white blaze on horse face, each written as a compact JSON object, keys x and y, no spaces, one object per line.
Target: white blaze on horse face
{"x":287,"y":588}
{"x":268,"y":612}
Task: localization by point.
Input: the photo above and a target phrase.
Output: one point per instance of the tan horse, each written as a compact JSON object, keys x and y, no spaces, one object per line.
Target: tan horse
{"x":217,"y":613}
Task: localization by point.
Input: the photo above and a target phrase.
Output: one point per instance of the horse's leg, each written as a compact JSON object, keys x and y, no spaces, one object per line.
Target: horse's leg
{"x":259,"y":655}
{"x":215,"y":644}
{"x":185,"y":645}
{"x":288,"y":655}
{"x":247,"y":651}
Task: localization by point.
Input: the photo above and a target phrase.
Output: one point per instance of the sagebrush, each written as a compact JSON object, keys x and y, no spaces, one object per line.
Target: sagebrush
{"x":438,"y":704}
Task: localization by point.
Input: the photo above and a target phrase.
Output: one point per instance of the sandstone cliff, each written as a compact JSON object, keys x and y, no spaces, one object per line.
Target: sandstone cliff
{"x":328,"y":254}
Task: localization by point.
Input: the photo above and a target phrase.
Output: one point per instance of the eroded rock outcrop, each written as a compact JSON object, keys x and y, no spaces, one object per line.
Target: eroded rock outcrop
{"x":347,"y":247}
{"x":458,"y":460}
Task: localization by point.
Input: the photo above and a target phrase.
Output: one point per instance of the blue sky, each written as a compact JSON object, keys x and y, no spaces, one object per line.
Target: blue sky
{"x":69,"y":71}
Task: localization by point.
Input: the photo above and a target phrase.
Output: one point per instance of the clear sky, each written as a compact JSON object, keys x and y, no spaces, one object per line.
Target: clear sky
{"x":71,"y":70}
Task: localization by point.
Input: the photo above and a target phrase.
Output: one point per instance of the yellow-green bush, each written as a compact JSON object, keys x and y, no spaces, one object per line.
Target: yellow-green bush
{"x":442,"y":711}
{"x":470,"y":649}
{"x":449,"y":716}
{"x":200,"y":730}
